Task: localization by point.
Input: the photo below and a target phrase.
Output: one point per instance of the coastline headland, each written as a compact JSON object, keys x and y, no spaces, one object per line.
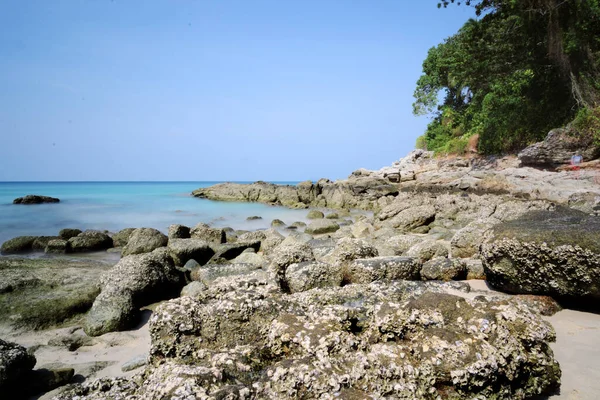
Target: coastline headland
{"x":444,"y":289}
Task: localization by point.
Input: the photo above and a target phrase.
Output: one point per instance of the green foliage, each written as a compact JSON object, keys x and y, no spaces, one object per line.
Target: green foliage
{"x":421,"y":143}
{"x":587,"y":123}
{"x":522,"y":69}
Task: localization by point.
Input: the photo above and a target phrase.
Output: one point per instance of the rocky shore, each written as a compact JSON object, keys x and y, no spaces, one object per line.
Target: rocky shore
{"x":375,"y":303}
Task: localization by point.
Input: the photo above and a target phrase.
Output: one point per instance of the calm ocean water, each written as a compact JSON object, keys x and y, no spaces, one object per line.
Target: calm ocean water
{"x":116,"y":205}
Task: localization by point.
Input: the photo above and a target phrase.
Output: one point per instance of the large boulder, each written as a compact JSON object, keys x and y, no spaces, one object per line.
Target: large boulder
{"x":558,"y":148}
{"x":35,"y":199}
{"x":413,"y":218}
{"x":19,"y":244}
{"x":287,"y":253}
{"x":121,"y":238}
{"x":135,"y":281}
{"x":15,"y":362}
{"x":57,"y":246}
{"x":90,"y":241}
{"x":144,"y":240}
{"x":347,"y":250}
{"x":40,"y":242}
{"x":205,"y":232}
{"x":68,"y":233}
{"x":555,"y":253}
{"x":183,"y":250}
{"x":312,"y":274}
{"x":443,"y":269}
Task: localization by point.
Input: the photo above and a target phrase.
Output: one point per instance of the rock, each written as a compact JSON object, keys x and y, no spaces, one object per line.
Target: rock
{"x":57,"y":246}
{"x":466,"y":241}
{"x":554,"y":253}
{"x":228,"y":251}
{"x":315,"y":214}
{"x":428,"y":249}
{"x":193,"y":289}
{"x":321,"y":247}
{"x":298,"y":224}
{"x":135,"y":281}
{"x":384,"y":269}
{"x":191,"y":265}
{"x":321,"y":226}
{"x":287,"y":253}
{"x":177,"y":231}
{"x":253,"y":218}
{"x":400,"y":244}
{"x":474,"y":269}
{"x":15,"y":362}
{"x":135,"y":363}
{"x":308,"y":275}
{"x":348,"y":249}
{"x":208,"y":274}
{"x":183,"y":250}
{"x":90,"y":241}
{"x":68,"y":233}
{"x":545,"y":305}
{"x":47,"y":378}
{"x":144,"y":240}
{"x":121,"y":238}
{"x":332,"y":216}
{"x":277,"y":222}
{"x":211,"y":235}
{"x":35,"y":199}
{"x":362,"y":229}
{"x":250,"y":258}
{"x":558,"y":148}
{"x":412,"y":218}
{"x":443,"y":269}
{"x":71,"y":342}
{"x":19,"y":244}
{"x":255,"y":236}
{"x":272,"y":239}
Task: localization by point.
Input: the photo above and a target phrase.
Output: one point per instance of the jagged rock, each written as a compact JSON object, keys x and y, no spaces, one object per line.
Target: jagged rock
{"x":121,"y":238}
{"x":68,"y":233}
{"x":315,"y":214}
{"x":443,"y":269}
{"x":321,"y":226}
{"x":384,"y":269}
{"x":19,"y":244}
{"x":35,"y":199}
{"x":204,"y":232}
{"x":177,"y":231}
{"x":555,"y":253}
{"x":144,"y":240}
{"x":90,"y":241}
{"x":57,"y":246}
{"x":135,"y":281}
{"x":183,"y":250}
{"x":15,"y":362}
{"x":558,"y":148}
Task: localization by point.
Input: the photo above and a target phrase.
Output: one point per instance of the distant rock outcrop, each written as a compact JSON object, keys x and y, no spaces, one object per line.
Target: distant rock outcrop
{"x":558,"y":148}
{"x":35,"y":199}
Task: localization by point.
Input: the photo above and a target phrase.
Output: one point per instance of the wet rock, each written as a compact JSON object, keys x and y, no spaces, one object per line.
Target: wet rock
{"x":315,"y":214}
{"x":19,"y":244}
{"x":40,"y":242}
{"x":35,"y":199}
{"x":298,"y":224}
{"x":57,"y":246}
{"x":253,"y":218}
{"x":15,"y":362}
{"x":443,"y":269}
{"x":68,"y":233}
{"x":144,"y":240}
{"x":332,"y":216}
{"x":90,"y":241}
{"x":183,"y":250}
{"x":384,"y":269}
{"x":277,"y":222}
{"x":135,"y":281}
{"x":121,"y":238}
{"x":211,"y":235}
{"x":177,"y":231}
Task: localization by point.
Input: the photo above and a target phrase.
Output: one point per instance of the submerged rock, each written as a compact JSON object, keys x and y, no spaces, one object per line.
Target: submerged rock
{"x":35,"y":199}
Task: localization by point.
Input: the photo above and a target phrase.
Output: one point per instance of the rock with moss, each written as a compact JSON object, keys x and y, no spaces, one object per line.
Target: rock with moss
{"x":443,"y":269}
{"x":15,"y":362}
{"x":555,"y":253}
{"x":144,"y":240}
{"x":40,"y":242}
{"x":315,"y":214}
{"x":57,"y":246}
{"x":321,"y":226}
{"x":207,"y":233}
{"x":135,"y":281}
{"x":277,"y":222}
{"x":90,"y":241}
{"x":68,"y":233}
{"x":19,"y":244}
{"x":121,"y":238}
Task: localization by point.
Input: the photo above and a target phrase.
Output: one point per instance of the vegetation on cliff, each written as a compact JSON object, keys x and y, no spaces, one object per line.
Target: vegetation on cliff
{"x":519,"y":70}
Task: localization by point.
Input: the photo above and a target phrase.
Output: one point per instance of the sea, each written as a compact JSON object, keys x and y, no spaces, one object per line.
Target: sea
{"x":113,"y":206}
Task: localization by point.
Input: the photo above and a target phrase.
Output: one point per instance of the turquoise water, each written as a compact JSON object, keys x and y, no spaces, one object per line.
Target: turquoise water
{"x":116,"y":205}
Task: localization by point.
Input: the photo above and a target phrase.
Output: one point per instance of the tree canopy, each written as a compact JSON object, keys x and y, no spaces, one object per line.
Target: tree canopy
{"x":522,"y":68}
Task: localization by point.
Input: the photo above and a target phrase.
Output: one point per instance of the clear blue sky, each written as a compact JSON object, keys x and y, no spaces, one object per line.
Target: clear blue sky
{"x":211,"y":89}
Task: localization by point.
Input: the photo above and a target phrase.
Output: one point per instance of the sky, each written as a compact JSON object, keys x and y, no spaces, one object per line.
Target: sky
{"x":196,"y":90}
